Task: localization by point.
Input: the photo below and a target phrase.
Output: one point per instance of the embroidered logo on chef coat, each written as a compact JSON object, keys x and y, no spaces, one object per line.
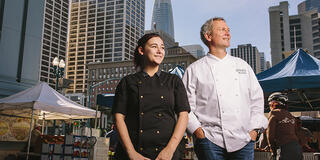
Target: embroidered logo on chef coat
{"x":241,"y":71}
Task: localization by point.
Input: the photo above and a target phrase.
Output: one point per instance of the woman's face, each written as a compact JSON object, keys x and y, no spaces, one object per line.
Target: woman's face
{"x":153,"y":51}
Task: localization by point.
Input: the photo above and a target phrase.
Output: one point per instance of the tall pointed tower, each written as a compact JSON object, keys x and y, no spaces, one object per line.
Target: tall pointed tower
{"x":162,"y":17}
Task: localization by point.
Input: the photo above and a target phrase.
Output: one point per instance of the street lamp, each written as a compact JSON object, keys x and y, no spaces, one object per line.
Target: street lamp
{"x":58,"y":69}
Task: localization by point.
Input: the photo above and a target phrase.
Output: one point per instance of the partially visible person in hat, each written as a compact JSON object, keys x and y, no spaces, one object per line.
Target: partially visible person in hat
{"x":282,"y":128}
{"x":35,"y":143}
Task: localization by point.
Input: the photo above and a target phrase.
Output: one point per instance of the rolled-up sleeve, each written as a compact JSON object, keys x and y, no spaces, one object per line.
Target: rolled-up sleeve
{"x":120,"y":99}
{"x":189,"y":80}
{"x":257,"y":119}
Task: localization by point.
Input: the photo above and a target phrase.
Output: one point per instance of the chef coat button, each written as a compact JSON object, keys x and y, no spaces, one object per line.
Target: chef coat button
{"x":141,"y":131}
{"x":158,"y":132}
{"x":236,"y":79}
{"x":141,"y":149}
{"x":141,"y":113}
{"x":141,"y":97}
{"x":161,"y":97}
{"x":157,"y":149}
{"x":159,"y":114}
{"x":140,"y":82}
{"x":237,"y":95}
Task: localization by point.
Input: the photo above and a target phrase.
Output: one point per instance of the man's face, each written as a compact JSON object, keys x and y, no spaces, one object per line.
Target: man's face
{"x":220,"y":35}
{"x":273,"y":105}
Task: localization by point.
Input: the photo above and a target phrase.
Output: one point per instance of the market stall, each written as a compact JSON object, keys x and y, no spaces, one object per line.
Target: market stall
{"x":39,"y":102}
{"x":298,"y":76}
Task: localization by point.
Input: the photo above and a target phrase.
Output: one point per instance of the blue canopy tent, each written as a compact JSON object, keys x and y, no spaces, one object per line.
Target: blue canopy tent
{"x":299,"y":76}
{"x":178,"y":70}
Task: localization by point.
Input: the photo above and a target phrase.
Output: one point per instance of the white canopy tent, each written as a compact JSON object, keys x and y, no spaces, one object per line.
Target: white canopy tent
{"x":43,"y":102}
{"x":46,"y":103}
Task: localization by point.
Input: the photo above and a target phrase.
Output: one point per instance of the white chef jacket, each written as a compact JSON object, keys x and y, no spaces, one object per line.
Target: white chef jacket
{"x":226,"y":100}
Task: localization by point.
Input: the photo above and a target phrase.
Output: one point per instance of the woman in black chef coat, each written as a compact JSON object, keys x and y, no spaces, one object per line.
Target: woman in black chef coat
{"x":150,"y":107}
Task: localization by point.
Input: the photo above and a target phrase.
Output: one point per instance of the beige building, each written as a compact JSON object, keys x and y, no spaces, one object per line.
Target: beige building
{"x":101,"y":31}
{"x":250,"y":54}
{"x":292,"y":32}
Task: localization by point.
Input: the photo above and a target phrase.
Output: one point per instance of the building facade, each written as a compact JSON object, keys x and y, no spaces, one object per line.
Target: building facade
{"x":32,"y":33}
{"x":250,"y":54}
{"x":262,"y":62}
{"x":167,"y":39}
{"x":195,"y":49}
{"x":54,"y":37}
{"x":288,"y":33}
{"x":162,"y":17}
{"x":308,"y":5}
{"x":279,"y":31}
{"x":108,"y":74}
{"x":101,"y":31}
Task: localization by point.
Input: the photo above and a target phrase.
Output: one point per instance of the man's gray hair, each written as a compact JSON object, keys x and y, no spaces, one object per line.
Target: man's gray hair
{"x":207,"y":28}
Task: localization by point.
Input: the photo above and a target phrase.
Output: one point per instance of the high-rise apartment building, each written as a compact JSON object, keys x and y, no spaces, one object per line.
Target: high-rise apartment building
{"x":101,"y":31}
{"x":262,"y":62}
{"x":54,"y":37}
{"x":279,"y":31}
{"x":250,"y":54}
{"x":32,"y":33}
{"x":162,"y":17}
{"x":289,"y":33}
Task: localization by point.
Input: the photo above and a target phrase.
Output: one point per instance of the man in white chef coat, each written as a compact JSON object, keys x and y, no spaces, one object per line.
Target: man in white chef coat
{"x":226,"y":99}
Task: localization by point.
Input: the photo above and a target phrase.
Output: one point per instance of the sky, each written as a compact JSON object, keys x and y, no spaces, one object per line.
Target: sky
{"x":248,"y":20}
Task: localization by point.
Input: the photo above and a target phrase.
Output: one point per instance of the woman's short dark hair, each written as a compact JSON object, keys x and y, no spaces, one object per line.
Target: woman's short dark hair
{"x":137,"y":57}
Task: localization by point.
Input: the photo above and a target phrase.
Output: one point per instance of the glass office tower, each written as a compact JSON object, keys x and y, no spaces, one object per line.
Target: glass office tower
{"x":162,"y":17}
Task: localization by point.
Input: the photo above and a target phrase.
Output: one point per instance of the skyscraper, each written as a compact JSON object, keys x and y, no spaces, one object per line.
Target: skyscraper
{"x":279,"y":31}
{"x":262,"y":62}
{"x":101,"y":31}
{"x":162,"y":17}
{"x":250,"y":54}
{"x":54,"y":37}
{"x":308,"y":5}
{"x":32,"y":33}
{"x":289,"y":33}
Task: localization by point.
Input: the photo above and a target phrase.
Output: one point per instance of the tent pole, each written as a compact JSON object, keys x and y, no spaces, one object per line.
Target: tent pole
{"x":30,"y":131}
{"x":43,"y":119}
{"x":307,"y":100}
{"x":95,"y":122}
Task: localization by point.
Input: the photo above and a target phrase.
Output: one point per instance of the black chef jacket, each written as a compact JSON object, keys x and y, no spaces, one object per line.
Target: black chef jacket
{"x":150,"y":105}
